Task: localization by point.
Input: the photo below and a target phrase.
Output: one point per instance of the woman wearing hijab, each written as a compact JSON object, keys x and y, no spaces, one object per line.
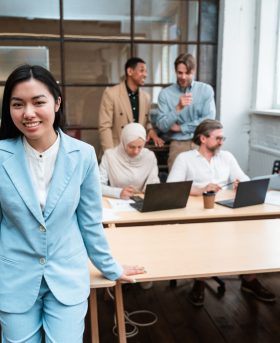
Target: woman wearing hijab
{"x":129,"y":167}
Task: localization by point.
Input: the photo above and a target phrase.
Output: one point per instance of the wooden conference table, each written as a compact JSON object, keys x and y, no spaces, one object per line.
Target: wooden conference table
{"x":198,"y":250}
{"x":194,"y":213}
{"x":96,"y":281}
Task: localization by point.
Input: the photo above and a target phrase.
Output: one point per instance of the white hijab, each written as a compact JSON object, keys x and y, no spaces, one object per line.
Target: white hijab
{"x":124,"y":170}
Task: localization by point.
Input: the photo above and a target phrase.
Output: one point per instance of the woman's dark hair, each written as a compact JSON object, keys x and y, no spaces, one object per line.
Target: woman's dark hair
{"x":21,"y":74}
{"x":205,"y":128}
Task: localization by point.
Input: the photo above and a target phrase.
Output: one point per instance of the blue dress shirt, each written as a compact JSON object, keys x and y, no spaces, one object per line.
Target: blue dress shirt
{"x":202,"y":107}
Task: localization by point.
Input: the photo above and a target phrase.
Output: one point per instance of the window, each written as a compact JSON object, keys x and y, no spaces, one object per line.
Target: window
{"x":88,"y":42}
{"x":266,"y":83}
{"x":276,"y":102}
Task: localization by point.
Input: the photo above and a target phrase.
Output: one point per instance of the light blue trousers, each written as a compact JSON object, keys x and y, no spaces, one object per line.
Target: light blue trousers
{"x":61,"y":323}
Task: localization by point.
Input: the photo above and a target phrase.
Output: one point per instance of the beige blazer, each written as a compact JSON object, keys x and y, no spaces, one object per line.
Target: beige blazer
{"x":115,"y":112}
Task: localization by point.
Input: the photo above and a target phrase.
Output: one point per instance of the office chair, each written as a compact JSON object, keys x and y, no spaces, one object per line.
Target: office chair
{"x":276,"y":167}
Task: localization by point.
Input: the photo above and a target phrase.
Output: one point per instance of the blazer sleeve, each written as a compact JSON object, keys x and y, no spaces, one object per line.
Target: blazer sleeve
{"x":148,"y":125}
{"x":1,"y":215}
{"x":89,"y":214}
{"x":106,"y":113}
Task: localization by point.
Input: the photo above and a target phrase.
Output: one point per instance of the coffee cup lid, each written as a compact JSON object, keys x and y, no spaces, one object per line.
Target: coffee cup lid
{"x":208,"y":194}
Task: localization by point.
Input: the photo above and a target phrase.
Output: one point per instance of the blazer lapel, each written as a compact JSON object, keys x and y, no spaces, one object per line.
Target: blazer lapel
{"x":124,"y":99}
{"x":18,"y":171}
{"x":63,"y":171}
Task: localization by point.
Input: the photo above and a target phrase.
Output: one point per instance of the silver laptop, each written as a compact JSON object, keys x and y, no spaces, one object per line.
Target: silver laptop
{"x":248,"y":193}
{"x":163,"y":196}
{"x":274,"y":182}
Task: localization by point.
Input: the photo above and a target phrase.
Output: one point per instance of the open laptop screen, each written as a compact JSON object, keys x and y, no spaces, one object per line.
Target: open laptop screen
{"x":248,"y":193}
{"x":165,"y":196}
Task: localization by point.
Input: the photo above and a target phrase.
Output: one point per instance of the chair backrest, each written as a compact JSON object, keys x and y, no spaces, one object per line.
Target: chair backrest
{"x":276,"y":167}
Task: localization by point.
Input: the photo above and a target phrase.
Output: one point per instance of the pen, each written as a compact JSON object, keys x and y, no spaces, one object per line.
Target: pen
{"x":227,"y":184}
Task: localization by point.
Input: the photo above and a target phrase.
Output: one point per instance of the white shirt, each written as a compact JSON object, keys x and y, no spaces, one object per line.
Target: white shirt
{"x":191,"y":165}
{"x":41,"y":165}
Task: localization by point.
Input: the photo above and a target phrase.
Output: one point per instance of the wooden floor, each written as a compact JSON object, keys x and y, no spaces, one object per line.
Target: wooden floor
{"x":234,"y":318}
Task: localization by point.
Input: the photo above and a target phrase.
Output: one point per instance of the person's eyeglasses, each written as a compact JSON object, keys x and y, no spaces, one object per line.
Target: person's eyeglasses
{"x":219,"y":138}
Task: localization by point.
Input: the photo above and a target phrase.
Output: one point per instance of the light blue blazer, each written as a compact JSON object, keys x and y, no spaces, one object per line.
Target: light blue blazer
{"x":55,"y":243}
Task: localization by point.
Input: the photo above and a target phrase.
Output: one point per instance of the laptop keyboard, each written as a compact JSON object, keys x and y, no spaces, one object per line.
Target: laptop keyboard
{"x":137,"y":205}
{"x":228,"y":202}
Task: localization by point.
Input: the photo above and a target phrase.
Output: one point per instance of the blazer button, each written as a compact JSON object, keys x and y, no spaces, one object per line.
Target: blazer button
{"x":121,"y":114}
{"x":122,"y":127}
{"x":42,"y":228}
{"x":42,"y":260}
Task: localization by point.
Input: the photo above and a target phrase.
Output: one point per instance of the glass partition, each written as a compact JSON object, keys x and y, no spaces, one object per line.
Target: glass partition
{"x":87,"y":43}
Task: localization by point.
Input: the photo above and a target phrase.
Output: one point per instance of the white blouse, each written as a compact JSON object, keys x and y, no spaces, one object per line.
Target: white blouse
{"x":41,"y":165}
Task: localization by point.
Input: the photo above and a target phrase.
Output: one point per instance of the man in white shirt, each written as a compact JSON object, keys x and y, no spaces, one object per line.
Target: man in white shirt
{"x":211,"y":169}
{"x":208,"y":167}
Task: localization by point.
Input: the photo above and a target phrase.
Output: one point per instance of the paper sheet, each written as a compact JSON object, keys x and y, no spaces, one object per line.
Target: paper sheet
{"x":273,"y":198}
{"x":109,"y":215}
{"x":119,"y":205}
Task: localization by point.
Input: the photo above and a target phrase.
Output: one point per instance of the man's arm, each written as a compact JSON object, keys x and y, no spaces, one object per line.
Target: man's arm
{"x":235,"y":171}
{"x":106,"y":112}
{"x":179,"y":170}
{"x":167,"y":116}
{"x":152,"y":135}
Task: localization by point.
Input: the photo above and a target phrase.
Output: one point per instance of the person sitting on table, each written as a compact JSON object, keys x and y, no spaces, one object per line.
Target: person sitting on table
{"x":211,"y":169}
{"x":126,"y":169}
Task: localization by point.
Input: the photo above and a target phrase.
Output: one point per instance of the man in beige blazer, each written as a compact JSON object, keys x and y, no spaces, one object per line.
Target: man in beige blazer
{"x":126,"y":103}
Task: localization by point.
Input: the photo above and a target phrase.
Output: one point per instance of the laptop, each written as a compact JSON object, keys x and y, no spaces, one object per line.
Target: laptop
{"x":248,"y":193}
{"x":163,"y":196}
{"x":274,"y":182}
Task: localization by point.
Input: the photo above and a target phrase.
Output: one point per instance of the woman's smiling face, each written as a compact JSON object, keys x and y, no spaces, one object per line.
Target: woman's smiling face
{"x":32,"y":109}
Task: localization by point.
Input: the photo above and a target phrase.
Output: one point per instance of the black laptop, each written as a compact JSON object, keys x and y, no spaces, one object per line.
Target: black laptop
{"x":163,"y":196}
{"x":248,"y":193}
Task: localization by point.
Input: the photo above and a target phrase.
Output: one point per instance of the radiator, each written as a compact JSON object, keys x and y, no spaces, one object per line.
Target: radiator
{"x":264,"y":144}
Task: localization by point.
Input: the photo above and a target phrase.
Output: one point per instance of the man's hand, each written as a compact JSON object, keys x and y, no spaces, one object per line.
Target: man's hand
{"x":184,"y":100}
{"x":152,"y":135}
{"x":235,"y":184}
{"x":175,"y":128}
{"x":212,"y":187}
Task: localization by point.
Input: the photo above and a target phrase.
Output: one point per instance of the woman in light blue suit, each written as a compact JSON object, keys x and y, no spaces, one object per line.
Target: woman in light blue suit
{"x":50,"y":216}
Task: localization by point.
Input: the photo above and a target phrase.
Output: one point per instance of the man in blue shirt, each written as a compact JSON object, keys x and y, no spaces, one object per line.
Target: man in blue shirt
{"x":182,"y":106}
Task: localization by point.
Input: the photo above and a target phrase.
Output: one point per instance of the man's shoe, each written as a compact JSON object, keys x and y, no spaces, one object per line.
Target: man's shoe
{"x":196,"y":295}
{"x":146,"y":285}
{"x":255,"y":288}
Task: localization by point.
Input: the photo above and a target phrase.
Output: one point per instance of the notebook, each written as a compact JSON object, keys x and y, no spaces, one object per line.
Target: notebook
{"x":163,"y":196}
{"x":248,"y":193}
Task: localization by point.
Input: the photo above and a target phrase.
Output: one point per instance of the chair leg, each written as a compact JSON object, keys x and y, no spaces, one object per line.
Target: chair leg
{"x":173,"y":283}
{"x":222,"y":287}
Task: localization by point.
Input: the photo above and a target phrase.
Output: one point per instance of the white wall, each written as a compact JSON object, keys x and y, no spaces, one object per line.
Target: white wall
{"x":235,"y":74}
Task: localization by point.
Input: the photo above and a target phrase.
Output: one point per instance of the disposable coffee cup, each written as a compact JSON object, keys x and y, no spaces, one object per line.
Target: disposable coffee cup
{"x":209,"y":199}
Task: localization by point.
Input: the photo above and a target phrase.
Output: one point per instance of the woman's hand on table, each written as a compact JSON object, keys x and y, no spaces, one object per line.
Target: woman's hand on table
{"x":128,"y":192}
{"x":129,"y":271}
